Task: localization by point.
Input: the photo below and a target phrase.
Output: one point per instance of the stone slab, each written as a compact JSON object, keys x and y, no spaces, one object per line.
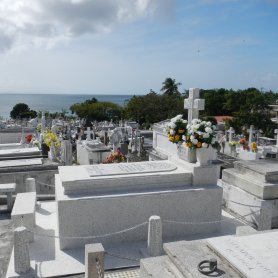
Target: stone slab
{"x":130,"y":168}
{"x":255,"y":256}
{"x":20,"y":162}
{"x":263,"y":170}
{"x":186,"y":255}
{"x":20,"y":152}
{"x":7,"y":187}
{"x":250,"y":184}
{"x":118,"y":178}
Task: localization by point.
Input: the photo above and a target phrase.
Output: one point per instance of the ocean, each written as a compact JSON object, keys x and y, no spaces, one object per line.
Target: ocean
{"x":51,"y":102}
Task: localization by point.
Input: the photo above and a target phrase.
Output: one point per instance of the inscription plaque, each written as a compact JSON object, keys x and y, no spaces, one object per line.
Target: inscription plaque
{"x":129,"y":168}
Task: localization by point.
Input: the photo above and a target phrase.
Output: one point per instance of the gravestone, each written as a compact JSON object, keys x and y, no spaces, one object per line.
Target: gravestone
{"x":231,"y":131}
{"x":194,"y":104}
{"x":88,"y":132}
{"x":251,"y":132}
{"x":276,"y":132}
{"x":66,"y":152}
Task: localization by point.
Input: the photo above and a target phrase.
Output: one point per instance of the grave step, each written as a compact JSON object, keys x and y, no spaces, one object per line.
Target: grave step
{"x":265,"y":171}
{"x":158,"y":267}
{"x":251,"y":184}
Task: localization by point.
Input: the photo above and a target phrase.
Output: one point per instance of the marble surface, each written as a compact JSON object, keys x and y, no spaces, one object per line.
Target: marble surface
{"x":255,"y":256}
{"x":20,"y":162}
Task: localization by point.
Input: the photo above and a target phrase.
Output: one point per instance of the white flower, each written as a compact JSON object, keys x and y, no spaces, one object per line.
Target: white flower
{"x":205,"y":135}
{"x":178,"y":117}
{"x":208,"y":123}
{"x":184,"y":121}
{"x":208,"y":130}
{"x":195,"y":141}
{"x":192,"y":137}
{"x":204,"y":145}
{"x":197,"y":126}
{"x":172,"y":125}
{"x":172,"y":132}
{"x":183,"y":138}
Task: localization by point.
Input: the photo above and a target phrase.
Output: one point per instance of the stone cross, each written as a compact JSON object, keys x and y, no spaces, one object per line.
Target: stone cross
{"x":231,"y":131}
{"x":251,"y":130}
{"x":22,"y":140}
{"x":194,"y":104}
{"x":88,"y":133}
{"x":43,"y":122}
{"x":276,"y":132}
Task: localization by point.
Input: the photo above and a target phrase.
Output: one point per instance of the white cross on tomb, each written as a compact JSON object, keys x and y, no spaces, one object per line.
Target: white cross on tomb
{"x":194,"y":104}
{"x":88,"y":132}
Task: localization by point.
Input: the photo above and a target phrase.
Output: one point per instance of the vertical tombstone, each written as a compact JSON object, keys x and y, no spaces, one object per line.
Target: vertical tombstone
{"x":22,"y":140}
{"x":21,"y":251}
{"x":43,"y":122}
{"x":66,"y":152}
{"x":231,"y":131}
{"x":276,"y":132}
{"x":251,"y":131}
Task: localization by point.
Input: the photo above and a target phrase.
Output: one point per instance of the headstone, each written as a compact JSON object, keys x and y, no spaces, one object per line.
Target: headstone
{"x":194,"y":104}
{"x":254,"y":256}
{"x":21,"y":251}
{"x":66,"y":152}
{"x":22,"y":140}
{"x":276,"y":132}
{"x":88,"y":132}
{"x":43,"y":122}
{"x":124,"y":147}
{"x":94,"y":261}
{"x":231,"y":131}
{"x":105,"y":140}
{"x":251,"y":131}
{"x":155,"y":236}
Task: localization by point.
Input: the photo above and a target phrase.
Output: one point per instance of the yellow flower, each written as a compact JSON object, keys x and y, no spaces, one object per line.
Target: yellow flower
{"x":171,"y":138}
{"x":189,"y":145}
{"x":181,"y":131}
{"x":177,"y":137}
{"x":199,"y":145}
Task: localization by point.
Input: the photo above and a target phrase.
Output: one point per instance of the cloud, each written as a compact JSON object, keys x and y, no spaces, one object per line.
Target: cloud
{"x":48,"y":22}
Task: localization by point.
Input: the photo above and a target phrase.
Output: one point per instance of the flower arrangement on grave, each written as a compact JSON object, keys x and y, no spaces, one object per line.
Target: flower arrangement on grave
{"x":115,"y":157}
{"x":28,"y":138}
{"x":253,"y":147}
{"x":50,"y":139}
{"x":200,"y":134}
{"x":176,"y":129}
{"x":244,"y":144}
{"x":233,"y":143}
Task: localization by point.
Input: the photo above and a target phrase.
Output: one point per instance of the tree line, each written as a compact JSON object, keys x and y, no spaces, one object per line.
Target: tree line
{"x":249,"y":106}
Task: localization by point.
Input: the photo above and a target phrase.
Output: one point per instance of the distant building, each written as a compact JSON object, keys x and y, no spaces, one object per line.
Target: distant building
{"x":221,"y":121}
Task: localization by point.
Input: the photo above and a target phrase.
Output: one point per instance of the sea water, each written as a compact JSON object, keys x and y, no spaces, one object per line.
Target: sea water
{"x":52,"y":102}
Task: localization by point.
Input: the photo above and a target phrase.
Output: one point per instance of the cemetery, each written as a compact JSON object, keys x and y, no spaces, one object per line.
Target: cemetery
{"x":176,"y":207}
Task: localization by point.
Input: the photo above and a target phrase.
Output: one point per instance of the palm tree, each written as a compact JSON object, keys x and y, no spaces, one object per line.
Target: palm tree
{"x":170,"y":87}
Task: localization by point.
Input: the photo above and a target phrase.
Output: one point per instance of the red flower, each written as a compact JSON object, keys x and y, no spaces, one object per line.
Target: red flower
{"x":28,"y":138}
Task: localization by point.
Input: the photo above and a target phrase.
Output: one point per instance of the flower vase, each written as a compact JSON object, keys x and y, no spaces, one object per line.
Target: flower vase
{"x":186,"y":154}
{"x":203,"y":156}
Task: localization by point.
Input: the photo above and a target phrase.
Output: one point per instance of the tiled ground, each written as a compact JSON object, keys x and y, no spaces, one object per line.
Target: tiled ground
{"x":134,"y":273}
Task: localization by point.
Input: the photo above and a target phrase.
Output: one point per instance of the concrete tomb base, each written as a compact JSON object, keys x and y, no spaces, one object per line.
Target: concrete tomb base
{"x":251,"y":188}
{"x":89,"y":205}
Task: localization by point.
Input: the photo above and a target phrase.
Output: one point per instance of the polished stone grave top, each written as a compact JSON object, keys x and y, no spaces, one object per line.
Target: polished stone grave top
{"x":129,"y":168}
{"x":19,"y":152}
{"x":20,"y":162}
{"x":255,"y":256}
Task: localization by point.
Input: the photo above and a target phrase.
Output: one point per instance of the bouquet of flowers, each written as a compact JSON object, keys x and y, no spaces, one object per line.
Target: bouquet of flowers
{"x":253,"y":147}
{"x":233,"y":143}
{"x":242,"y":142}
{"x":28,"y":138}
{"x":115,"y":157}
{"x":50,"y":139}
{"x":201,"y":134}
{"x":176,"y":129}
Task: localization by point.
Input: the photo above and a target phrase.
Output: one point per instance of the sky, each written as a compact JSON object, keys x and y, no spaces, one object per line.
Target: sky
{"x":131,"y":46}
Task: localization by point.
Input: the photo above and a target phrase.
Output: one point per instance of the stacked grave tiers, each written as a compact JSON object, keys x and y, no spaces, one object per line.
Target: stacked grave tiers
{"x":250,"y":186}
{"x":252,"y":256}
{"x":91,"y":152}
{"x":102,"y":199}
